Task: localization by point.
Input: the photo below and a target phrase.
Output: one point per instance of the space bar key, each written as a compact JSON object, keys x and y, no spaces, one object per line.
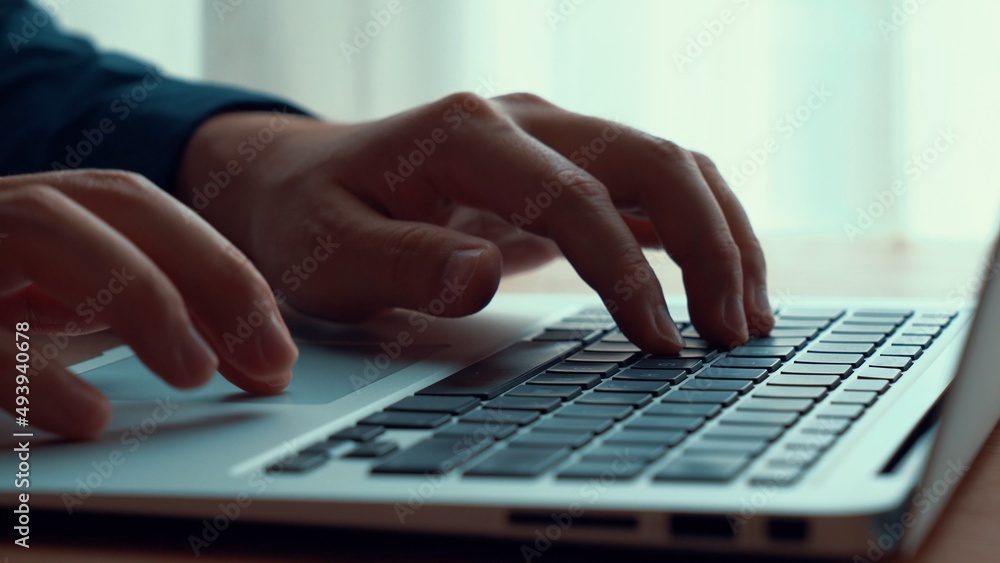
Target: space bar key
{"x":492,"y":376}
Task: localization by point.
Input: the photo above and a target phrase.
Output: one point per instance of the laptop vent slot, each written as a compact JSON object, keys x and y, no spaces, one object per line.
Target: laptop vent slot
{"x":701,"y":526}
{"x":788,"y":529}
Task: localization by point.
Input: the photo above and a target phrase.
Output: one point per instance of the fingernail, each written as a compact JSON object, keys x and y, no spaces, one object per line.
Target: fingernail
{"x":461,"y":267}
{"x":275,"y":345}
{"x":196,"y":357}
{"x":279,"y":381}
{"x":734,"y":315}
{"x":666,"y":328}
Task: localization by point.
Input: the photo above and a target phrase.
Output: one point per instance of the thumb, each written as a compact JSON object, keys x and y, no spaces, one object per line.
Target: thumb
{"x":386,"y":263}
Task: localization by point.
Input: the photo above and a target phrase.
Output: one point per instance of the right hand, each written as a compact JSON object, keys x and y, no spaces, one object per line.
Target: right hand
{"x":91,"y":249}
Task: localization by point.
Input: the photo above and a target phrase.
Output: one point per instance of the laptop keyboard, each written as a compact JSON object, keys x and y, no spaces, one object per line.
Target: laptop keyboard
{"x":579,"y":401}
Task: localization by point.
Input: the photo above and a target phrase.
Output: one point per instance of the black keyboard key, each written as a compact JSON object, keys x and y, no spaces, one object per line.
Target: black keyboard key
{"x":685,"y":423}
{"x":840,"y":411}
{"x":625,"y":451}
{"x":632,"y":386}
{"x":874,"y":385}
{"x":357,"y":434}
{"x":810,"y":313}
{"x":834,"y":426}
{"x":839,"y":370}
{"x":573,"y":424}
{"x":865,"y":398}
{"x":686,"y":364}
{"x":602,"y":369}
{"x":796,"y":343}
{"x":620,"y":358}
{"x":585,"y":380}
{"x":304,"y":461}
{"x":776,"y":476}
{"x":898,"y":350}
{"x":562,"y":392}
{"x":717,"y":397}
{"x":669,"y":375}
{"x":811,"y":441}
{"x":370,"y":450}
{"x":430,"y":403}
{"x":767,"y":364}
{"x":888,"y":374}
{"x":492,"y":376}
{"x":766,"y":418}
{"x":853,"y":360}
{"x":781,"y":352}
{"x":748,"y":446}
{"x":793,"y":458}
{"x":882,"y":329}
{"x":606,"y":469}
{"x":788,"y":405}
{"x":613,"y":348}
{"x":563,"y":335}
{"x":755,"y":375}
{"x":783,"y":322}
{"x":704,"y":468}
{"x":769,"y":391}
{"x":828,"y":381}
{"x":749,"y":432}
{"x":880,"y":312}
{"x":793,"y":332}
{"x":568,"y":439}
{"x":519,"y":462}
{"x":875,"y":339}
{"x":842,"y":348}
{"x":397,"y":419}
{"x":881,"y":320}
{"x":615,"y":336}
{"x":698,"y":344}
{"x":617,"y":412}
{"x":495,"y":416}
{"x":477,"y":431}
{"x":912,"y":340}
{"x":636,"y":400}
{"x":707,"y":410}
{"x":705,"y":384}
{"x":433,"y":456}
{"x":647,"y":437}
{"x":540,"y":404}
{"x":902,"y":363}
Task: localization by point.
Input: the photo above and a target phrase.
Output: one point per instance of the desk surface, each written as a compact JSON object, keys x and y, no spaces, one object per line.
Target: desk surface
{"x":966,"y":532}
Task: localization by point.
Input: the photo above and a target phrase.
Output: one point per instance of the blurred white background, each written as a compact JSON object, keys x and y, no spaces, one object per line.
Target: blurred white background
{"x":854,"y":98}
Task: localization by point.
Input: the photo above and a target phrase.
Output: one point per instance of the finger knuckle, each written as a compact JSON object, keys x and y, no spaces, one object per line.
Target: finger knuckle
{"x":405,"y":245}
{"x":35,"y":201}
{"x":527,"y":98}
{"x":752,"y":255}
{"x":669,"y":152}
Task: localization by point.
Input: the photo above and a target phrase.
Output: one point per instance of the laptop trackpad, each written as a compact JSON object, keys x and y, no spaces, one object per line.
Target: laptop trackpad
{"x":321,"y":375}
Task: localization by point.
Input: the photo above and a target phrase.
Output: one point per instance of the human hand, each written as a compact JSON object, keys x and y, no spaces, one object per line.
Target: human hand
{"x":91,"y":249}
{"x":462,"y":189}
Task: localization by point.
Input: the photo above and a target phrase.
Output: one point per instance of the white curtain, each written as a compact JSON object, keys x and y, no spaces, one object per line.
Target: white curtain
{"x":854,"y":119}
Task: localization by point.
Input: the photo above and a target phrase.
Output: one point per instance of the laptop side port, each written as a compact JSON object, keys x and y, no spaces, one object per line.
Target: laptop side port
{"x":565,"y":520}
{"x":788,"y":529}
{"x":701,"y":526}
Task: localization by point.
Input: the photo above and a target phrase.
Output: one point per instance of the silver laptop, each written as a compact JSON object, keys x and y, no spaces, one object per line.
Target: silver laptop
{"x":537,"y":420}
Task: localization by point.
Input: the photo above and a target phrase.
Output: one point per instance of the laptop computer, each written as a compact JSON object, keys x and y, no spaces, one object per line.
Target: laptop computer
{"x":537,"y":420}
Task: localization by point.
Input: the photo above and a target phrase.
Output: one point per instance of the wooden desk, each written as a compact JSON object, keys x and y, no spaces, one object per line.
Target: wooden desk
{"x":967,"y":532}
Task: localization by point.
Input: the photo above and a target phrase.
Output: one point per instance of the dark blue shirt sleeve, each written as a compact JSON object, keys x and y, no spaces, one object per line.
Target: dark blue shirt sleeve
{"x":64,"y":105}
